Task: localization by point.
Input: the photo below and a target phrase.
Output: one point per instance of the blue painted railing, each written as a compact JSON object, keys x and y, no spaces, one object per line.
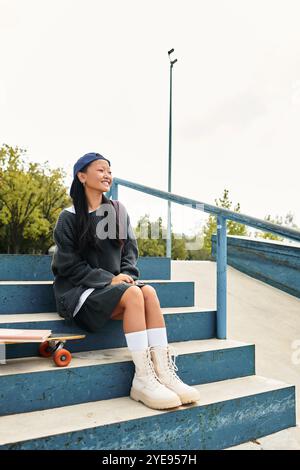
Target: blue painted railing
{"x":222,"y":216}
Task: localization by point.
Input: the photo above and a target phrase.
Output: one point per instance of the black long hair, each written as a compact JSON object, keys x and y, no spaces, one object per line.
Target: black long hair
{"x":85,"y":230}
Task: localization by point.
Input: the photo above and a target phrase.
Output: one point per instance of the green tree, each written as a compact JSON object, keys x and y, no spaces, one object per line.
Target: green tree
{"x":152,"y":242}
{"x":201,"y":253}
{"x":179,"y":250}
{"x":54,"y":199}
{"x":232,"y":227}
{"x":31,"y":196}
{"x":149,"y":246}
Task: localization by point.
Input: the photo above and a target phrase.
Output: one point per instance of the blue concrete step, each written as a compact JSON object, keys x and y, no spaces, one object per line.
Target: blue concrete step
{"x":229,"y":412}
{"x":38,"y":267}
{"x":36,"y":384}
{"x":38,"y":296}
{"x":182,"y":323}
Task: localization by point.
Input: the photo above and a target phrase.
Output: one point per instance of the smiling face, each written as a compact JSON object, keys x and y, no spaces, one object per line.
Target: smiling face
{"x":97,"y":176}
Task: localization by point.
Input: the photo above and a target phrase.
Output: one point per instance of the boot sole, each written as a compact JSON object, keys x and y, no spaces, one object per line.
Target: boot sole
{"x":155,"y":404}
{"x":186,"y":401}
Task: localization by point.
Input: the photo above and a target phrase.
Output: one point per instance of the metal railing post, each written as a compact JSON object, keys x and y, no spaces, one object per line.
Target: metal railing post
{"x":114,"y":190}
{"x":221,"y":278}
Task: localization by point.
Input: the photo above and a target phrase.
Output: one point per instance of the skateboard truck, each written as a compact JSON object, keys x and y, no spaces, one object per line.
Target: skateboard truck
{"x":55,"y":347}
{"x":61,"y":357}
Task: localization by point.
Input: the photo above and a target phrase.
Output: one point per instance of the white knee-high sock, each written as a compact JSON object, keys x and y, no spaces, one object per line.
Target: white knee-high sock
{"x":157,"y":337}
{"x":137,"y":340}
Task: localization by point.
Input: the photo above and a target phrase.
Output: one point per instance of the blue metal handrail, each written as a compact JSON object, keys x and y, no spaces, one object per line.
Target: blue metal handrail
{"x":222,"y":215}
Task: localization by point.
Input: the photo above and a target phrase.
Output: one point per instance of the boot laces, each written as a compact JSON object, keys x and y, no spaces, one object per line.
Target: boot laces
{"x":150,"y":367}
{"x":171,"y":363}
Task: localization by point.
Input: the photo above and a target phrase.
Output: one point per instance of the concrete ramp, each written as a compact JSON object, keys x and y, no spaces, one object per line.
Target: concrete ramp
{"x":257,"y":313}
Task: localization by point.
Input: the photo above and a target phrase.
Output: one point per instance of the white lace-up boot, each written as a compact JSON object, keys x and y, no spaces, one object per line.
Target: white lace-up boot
{"x":166,"y":368}
{"x":145,"y":385}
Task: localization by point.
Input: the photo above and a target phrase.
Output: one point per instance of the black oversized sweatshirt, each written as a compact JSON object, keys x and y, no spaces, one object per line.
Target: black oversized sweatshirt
{"x":75,"y":272}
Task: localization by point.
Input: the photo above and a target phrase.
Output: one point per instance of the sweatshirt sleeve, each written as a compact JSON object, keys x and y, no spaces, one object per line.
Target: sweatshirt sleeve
{"x":130,"y":252}
{"x":66,"y":262}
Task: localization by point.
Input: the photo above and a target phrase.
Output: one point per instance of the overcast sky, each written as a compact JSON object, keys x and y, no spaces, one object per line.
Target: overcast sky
{"x":93,"y":75}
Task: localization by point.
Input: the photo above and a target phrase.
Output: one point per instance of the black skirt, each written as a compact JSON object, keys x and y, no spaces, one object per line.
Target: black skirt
{"x":97,"y":308}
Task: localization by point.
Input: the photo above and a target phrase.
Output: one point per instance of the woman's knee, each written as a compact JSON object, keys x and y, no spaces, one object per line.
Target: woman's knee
{"x":149,"y":293}
{"x":132,"y":295}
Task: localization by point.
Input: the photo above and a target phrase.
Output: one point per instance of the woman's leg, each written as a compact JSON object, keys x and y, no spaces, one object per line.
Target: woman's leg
{"x":141,"y":313}
{"x":161,"y":353}
{"x":145,"y":386}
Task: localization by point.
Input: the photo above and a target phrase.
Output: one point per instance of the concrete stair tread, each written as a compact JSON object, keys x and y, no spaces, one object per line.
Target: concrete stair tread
{"x":37,"y":424}
{"x":109,"y":356}
{"x":51,"y":316}
{"x":287,"y":439}
{"x":147,"y":281}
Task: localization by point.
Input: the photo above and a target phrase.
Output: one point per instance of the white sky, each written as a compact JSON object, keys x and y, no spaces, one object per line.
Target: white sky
{"x":93,"y":75}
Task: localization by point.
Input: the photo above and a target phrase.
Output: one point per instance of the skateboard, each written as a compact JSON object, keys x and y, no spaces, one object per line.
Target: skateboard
{"x":53,"y":346}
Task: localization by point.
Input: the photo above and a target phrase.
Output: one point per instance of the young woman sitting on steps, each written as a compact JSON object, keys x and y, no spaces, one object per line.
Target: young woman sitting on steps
{"x":96,"y":279}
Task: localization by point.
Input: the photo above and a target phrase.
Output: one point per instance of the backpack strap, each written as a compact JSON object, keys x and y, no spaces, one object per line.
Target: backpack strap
{"x":116,"y":205}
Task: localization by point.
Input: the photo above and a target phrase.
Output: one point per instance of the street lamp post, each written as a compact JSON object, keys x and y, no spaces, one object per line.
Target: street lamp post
{"x":169,"y":239}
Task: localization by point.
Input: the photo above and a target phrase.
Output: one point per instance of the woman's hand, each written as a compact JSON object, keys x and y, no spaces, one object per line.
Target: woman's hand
{"x":122,"y":278}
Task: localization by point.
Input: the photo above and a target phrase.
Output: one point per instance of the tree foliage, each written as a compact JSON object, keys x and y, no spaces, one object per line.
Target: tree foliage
{"x":31,"y":197}
{"x":232,"y":227}
{"x":151,"y":238}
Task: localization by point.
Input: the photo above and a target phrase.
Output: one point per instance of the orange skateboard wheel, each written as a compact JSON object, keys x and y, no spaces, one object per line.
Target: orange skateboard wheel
{"x":62,"y":357}
{"x":43,"y":349}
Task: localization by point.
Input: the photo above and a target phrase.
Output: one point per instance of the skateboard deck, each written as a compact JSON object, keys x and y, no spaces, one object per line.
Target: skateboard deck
{"x":52,"y":337}
{"x":53,"y":346}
